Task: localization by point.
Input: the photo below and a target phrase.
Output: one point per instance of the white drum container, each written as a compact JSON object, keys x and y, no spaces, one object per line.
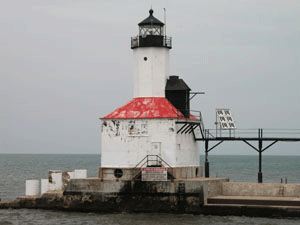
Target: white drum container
{"x":71,"y":175}
{"x":55,"y":180}
{"x":44,"y":185}
{"x":80,"y":173}
{"x":32,"y":187}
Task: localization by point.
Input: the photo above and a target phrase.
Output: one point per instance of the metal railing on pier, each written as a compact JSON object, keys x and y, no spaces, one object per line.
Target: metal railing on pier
{"x":252,"y":134}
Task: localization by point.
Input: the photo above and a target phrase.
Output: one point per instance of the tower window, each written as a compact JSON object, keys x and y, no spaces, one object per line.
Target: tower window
{"x":145,"y":58}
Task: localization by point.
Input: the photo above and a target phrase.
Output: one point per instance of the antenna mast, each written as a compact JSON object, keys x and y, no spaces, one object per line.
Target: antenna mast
{"x":165,"y":20}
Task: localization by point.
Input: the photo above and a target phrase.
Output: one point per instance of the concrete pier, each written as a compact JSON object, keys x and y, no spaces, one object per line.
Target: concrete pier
{"x":255,"y":199}
{"x":97,"y":195}
{"x":209,"y":196}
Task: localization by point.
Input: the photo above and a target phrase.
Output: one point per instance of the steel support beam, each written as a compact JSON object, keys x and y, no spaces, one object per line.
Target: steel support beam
{"x":186,"y":129}
{"x":185,"y":124}
{"x":260,"y":175}
{"x":207,"y":150}
{"x":193,"y":127}
{"x":246,"y":140}
{"x":206,"y":159}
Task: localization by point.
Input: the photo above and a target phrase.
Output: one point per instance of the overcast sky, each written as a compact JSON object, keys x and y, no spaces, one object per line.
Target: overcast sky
{"x":64,"y":64}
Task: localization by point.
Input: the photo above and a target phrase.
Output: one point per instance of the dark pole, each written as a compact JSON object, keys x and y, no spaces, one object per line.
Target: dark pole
{"x":260,"y":176}
{"x":206,"y":159}
{"x":260,"y":179}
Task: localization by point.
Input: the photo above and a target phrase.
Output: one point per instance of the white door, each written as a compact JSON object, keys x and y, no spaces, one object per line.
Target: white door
{"x":155,"y":150}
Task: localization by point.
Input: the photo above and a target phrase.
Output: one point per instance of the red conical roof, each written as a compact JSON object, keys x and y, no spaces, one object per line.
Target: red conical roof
{"x":147,"y":108}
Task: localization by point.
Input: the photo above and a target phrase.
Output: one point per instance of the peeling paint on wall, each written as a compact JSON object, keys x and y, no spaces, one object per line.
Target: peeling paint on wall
{"x":126,"y":142}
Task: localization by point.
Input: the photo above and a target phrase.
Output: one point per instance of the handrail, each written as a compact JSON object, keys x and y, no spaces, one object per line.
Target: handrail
{"x":141,"y":161}
{"x":276,"y":134}
{"x":146,"y":159}
{"x":165,"y":41}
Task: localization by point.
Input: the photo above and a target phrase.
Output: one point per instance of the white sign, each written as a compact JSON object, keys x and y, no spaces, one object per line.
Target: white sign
{"x":154,"y":174}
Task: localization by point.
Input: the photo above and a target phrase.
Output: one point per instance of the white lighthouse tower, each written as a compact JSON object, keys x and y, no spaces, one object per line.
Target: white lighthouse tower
{"x":151,"y":58}
{"x":155,"y":128}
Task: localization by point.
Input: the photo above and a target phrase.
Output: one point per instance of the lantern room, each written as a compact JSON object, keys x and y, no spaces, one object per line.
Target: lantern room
{"x":151,"y":34}
{"x":151,"y":26}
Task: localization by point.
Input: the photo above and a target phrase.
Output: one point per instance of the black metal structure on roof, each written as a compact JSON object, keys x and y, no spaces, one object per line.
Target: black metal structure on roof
{"x":175,"y":84}
{"x":151,"y":20}
{"x":178,"y":93}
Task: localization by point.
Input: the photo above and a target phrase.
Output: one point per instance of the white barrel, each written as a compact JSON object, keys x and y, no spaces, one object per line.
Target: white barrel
{"x":71,"y":174}
{"x":80,"y":173}
{"x":56,"y":183}
{"x":32,"y":187}
{"x":44,"y":185}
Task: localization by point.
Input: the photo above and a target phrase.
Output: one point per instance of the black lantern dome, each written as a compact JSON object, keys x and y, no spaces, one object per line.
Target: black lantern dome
{"x":151,"y":34}
{"x":151,"y":26}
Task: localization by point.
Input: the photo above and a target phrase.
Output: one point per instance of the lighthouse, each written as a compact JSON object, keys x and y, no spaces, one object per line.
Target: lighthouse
{"x":155,"y":128}
{"x":150,"y":58}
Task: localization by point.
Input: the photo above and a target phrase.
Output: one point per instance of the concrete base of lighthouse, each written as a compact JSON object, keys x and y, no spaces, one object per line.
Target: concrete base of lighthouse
{"x":177,"y":196}
{"x":185,"y":190}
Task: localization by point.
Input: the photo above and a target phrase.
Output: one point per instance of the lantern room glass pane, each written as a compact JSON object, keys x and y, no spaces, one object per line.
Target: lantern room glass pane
{"x":150,"y":30}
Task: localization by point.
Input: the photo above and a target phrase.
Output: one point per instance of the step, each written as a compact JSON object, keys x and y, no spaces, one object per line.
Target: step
{"x":251,"y":210}
{"x":254,"y":200}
